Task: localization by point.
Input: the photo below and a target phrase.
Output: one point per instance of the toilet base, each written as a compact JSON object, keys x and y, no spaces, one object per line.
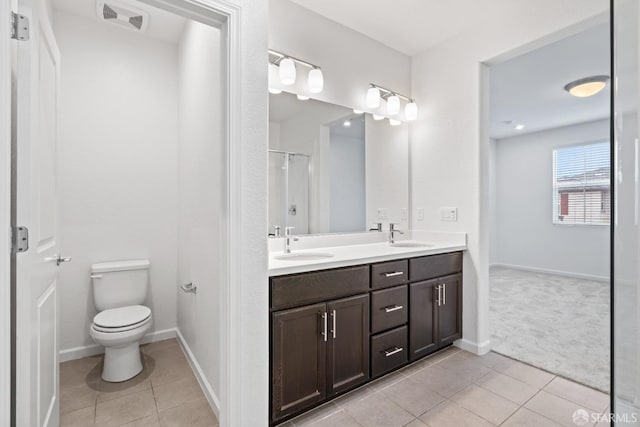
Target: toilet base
{"x":121,"y":363}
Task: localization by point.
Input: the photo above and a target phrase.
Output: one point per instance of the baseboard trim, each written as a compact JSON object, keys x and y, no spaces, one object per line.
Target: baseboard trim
{"x":556,"y":272}
{"x":213,"y":400}
{"x":94,"y":349}
{"x":473,"y":347}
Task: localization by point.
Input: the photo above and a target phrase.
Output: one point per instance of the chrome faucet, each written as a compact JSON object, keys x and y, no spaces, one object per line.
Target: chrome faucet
{"x":377,"y":227}
{"x":392,"y":232}
{"x":288,"y":238}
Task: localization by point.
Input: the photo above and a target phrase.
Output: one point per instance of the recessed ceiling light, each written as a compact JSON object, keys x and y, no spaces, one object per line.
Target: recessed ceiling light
{"x":302,"y":97}
{"x":519,"y":127}
{"x":347,"y":123}
{"x":589,"y":86}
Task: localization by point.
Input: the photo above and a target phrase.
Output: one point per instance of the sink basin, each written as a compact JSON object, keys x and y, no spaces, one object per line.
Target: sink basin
{"x":411,"y":244}
{"x":307,"y":256}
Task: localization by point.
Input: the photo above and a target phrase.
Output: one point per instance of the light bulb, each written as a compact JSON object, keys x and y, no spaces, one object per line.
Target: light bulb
{"x":393,"y":105}
{"x":287,"y":71}
{"x":315,"y":80}
{"x":302,"y":97}
{"x":394,"y":122}
{"x":373,"y":97}
{"x":377,"y":117}
{"x":411,"y":111}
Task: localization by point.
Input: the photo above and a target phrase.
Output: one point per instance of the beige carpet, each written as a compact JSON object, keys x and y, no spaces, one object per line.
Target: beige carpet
{"x":556,"y":323}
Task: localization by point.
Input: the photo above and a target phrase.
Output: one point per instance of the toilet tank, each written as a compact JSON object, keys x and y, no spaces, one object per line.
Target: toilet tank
{"x":120,"y":283}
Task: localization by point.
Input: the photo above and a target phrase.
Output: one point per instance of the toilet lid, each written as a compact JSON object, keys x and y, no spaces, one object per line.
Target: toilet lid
{"x":121,"y":317}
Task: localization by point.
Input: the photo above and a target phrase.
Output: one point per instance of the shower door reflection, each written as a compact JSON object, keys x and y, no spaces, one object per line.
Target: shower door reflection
{"x":289,"y":191}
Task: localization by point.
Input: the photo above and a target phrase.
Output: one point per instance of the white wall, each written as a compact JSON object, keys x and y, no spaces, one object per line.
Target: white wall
{"x":201,"y":201}
{"x":117,"y":167}
{"x":387,"y":175}
{"x":349,"y":60}
{"x":525,"y":234}
{"x":450,"y":153}
{"x":348,"y":186}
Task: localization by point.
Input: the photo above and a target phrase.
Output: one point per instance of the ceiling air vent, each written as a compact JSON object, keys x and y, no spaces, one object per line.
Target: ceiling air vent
{"x":123,"y":15}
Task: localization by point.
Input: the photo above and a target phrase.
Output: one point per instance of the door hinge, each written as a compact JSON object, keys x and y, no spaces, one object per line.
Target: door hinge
{"x":19,"y":27}
{"x":19,"y":239}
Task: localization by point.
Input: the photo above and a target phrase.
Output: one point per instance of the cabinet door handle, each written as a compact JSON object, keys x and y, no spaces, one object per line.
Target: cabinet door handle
{"x":333,"y":325}
{"x":324,"y":326}
{"x":391,"y":352}
{"x":393,"y":308}
{"x":444,"y":294}
{"x":439,"y":294}
{"x":393,"y":274}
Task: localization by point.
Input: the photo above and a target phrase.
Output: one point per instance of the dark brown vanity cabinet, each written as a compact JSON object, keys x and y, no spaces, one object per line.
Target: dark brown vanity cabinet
{"x":333,"y":330}
{"x":317,"y":351}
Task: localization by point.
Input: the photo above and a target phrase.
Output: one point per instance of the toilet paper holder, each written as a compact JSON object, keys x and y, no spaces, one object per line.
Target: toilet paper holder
{"x":189,"y":288}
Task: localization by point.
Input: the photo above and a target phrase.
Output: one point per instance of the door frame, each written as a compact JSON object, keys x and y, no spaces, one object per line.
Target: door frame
{"x":241,"y":403}
{"x":5,"y":215}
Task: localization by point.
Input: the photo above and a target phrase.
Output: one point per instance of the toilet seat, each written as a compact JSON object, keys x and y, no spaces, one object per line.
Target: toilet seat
{"x":122,"y":319}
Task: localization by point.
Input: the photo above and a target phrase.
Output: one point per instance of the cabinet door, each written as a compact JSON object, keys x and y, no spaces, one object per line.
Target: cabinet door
{"x":348,"y":349}
{"x":299,"y":359}
{"x":450,"y":309}
{"x":422,"y":318}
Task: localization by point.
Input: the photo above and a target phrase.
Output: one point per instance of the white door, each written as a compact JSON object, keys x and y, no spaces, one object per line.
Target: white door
{"x":37,"y":390}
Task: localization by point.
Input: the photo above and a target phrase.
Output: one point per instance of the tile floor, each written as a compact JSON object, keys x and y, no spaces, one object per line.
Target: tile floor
{"x":458,"y":389}
{"x":165,"y":393}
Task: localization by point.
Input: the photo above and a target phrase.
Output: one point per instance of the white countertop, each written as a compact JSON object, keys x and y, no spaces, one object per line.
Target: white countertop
{"x":355,"y":254}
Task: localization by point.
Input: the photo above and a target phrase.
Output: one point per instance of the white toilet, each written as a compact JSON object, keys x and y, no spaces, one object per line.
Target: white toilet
{"x":119,"y":290}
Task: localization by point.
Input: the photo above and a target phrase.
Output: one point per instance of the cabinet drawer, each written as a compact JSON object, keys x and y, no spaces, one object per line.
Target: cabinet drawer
{"x":388,"y":351}
{"x":389,"y":308}
{"x":307,"y":288}
{"x":390,"y":273}
{"x":432,"y":266}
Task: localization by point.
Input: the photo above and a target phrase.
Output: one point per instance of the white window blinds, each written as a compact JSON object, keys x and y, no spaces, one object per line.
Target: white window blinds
{"x":581,"y":184}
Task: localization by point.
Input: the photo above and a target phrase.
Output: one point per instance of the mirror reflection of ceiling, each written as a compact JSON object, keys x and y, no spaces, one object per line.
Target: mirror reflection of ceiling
{"x":529,"y":89}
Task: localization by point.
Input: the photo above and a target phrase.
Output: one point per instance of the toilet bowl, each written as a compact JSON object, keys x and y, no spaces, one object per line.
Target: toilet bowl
{"x":120,"y":330}
{"x":119,"y":290}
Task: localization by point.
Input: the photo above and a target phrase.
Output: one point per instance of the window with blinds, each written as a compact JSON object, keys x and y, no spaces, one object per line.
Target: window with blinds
{"x":581,"y":184}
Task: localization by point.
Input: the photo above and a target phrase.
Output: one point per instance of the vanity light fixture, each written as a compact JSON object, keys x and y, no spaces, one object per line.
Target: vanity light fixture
{"x":589,"y":86}
{"x":302,"y":97}
{"x":273,"y":80}
{"x":393,"y":105}
{"x":394,"y":122}
{"x":287,"y":71}
{"x":377,"y":92}
{"x":377,"y":117}
{"x":373,"y":97}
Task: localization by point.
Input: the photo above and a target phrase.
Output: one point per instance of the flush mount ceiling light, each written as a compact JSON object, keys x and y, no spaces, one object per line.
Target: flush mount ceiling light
{"x":589,"y":86}
{"x":286,"y":65}
{"x":377,"y":92}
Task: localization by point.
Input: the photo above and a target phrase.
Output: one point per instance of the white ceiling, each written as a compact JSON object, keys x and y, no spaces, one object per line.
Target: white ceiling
{"x":162,"y":25}
{"x":529,"y":89}
{"x":411,"y":26}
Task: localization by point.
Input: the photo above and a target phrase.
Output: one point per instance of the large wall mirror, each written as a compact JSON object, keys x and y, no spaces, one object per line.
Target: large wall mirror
{"x":332,"y":170}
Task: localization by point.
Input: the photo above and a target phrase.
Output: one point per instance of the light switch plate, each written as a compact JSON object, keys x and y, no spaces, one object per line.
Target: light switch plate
{"x":383,"y":213}
{"x":420,"y":214}
{"x":448,"y":214}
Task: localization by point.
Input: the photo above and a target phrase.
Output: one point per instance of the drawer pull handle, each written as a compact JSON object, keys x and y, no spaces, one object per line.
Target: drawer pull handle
{"x":391,"y":352}
{"x":393,"y":274}
{"x":324,"y":329}
{"x":393,"y":308}
{"x":333,"y":328}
